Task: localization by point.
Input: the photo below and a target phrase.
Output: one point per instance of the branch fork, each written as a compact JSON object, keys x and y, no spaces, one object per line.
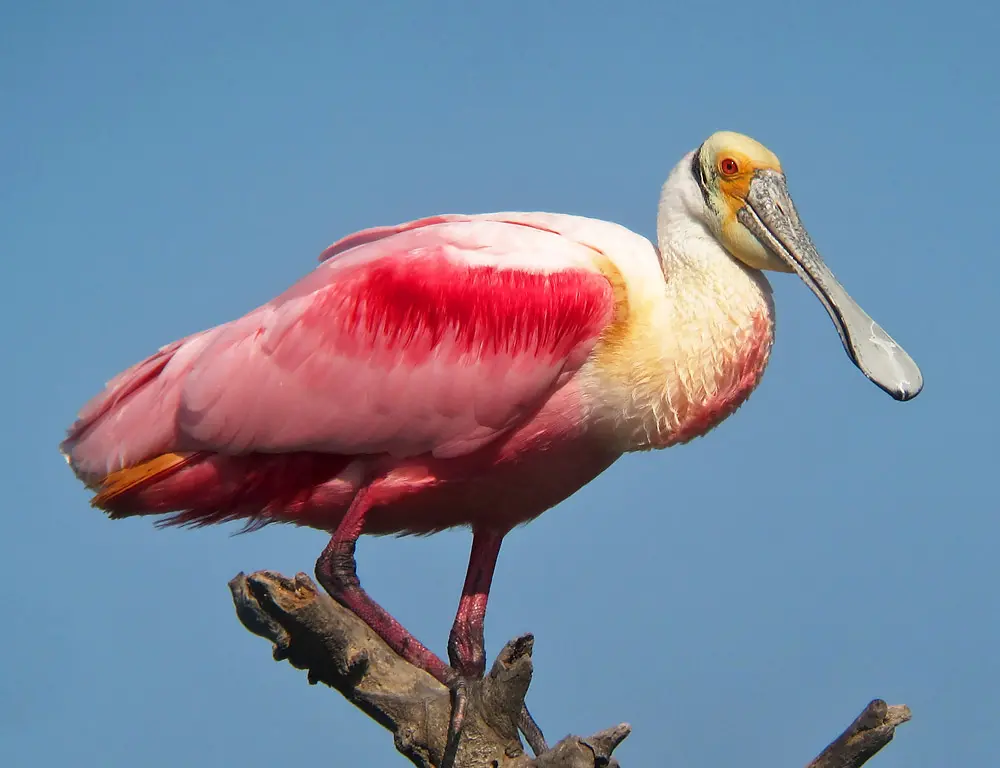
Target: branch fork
{"x":313,"y":632}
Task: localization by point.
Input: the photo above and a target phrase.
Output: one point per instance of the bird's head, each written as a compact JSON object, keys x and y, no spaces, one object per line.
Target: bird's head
{"x":725,"y":167}
{"x":743,"y":201}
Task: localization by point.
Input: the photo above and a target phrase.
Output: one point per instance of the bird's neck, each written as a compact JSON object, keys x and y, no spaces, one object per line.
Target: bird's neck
{"x":710,"y":299}
{"x":697,"y":344}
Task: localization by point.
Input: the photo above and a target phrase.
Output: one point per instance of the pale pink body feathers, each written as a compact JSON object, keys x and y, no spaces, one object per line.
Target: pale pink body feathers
{"x":467,"y":370}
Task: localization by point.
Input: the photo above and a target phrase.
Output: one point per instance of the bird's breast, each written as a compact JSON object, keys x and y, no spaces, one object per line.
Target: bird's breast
{"x":678,"y":365}
{"x":709,"y":387}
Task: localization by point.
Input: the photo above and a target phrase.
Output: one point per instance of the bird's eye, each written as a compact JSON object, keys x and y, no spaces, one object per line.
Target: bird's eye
{"x":728,"y":166}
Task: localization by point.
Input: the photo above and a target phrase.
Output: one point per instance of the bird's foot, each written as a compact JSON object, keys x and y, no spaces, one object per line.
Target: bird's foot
{"x":466,"y":687}
{"x":459,"y":689}
{"x":532,"y":733}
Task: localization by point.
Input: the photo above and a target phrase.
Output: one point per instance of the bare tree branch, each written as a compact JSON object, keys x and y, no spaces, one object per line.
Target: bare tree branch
{"x":872,"y":730}
{"x":315,"y":633}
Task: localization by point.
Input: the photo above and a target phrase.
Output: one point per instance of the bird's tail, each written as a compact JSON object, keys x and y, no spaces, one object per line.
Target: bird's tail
{"x":117,"y":492}
{"x":202,"y":488}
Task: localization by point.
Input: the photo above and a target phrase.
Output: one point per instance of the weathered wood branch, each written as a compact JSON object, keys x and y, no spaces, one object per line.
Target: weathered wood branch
{"x":870,"y":731}
{"x":315,"y":633}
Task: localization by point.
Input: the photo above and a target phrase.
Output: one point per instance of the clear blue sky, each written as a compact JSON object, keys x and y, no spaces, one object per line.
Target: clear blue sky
{"x":167,"y":166}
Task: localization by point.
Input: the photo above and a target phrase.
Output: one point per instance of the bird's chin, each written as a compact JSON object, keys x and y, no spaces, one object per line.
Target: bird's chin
{"x":746,"y":248}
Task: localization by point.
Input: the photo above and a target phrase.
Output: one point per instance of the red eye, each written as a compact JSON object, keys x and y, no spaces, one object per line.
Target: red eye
{"x":729,"y":167}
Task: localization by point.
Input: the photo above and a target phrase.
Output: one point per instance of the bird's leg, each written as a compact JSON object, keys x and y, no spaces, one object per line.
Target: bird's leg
{"x":466,"y":646}
{"x":336,"y":570}
{"x":466,"y":649}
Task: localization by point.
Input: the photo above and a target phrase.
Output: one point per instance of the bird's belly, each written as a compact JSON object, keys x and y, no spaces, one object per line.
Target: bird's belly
{"x":499,"y":497}
{"x":500,"y":486}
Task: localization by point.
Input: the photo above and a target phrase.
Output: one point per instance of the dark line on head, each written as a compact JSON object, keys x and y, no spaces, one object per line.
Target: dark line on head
{"x":699,"y":175}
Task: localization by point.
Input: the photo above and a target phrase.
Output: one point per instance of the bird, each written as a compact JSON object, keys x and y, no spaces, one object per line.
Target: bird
{"x":469,"y":371}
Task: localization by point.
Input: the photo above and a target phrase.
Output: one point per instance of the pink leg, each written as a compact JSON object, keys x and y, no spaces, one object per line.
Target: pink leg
{"x":466,"y":649}
{"x":336,"y":570}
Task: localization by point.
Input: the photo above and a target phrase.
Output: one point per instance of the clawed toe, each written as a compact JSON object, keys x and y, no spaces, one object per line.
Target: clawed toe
{"x":532,"y":733}
{"x":459,"y":705}
{"x":460,"y":689}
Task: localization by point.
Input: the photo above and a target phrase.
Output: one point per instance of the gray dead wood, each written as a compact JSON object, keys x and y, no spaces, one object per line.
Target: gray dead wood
{"x":313,"y":632}
{"x":870,"y":731}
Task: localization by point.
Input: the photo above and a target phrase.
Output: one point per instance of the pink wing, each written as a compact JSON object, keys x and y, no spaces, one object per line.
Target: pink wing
{"x":434,"y":336}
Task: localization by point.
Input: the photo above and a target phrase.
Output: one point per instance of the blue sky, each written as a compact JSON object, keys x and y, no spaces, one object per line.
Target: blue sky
{"x":168,"y":166}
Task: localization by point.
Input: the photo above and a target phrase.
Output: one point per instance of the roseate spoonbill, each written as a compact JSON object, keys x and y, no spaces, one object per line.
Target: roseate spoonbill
{"x":469,"y":370}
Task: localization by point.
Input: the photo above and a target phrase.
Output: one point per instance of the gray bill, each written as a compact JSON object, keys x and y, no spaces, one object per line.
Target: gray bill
{"x":771,"y":216}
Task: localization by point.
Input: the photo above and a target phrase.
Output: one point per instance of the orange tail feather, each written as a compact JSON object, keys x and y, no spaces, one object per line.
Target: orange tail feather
{"x":120,"y":482}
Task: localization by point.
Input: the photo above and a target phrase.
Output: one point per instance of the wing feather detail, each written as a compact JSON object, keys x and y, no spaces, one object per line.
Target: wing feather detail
{"x":431,"y":338}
